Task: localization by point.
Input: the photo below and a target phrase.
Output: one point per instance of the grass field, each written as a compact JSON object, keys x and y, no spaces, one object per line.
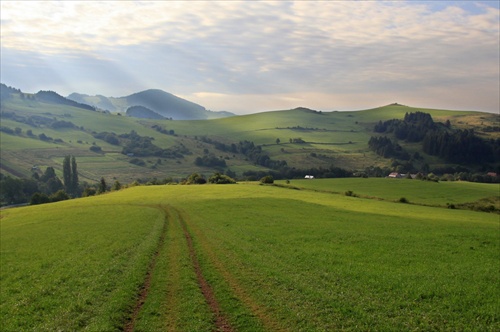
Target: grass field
{"x":415,"y":191}
{"x":249,"y":257}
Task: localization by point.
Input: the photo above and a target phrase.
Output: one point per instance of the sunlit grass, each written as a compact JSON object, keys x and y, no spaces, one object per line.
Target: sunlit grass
{"x":276,"y":258}
{"x":68,"y":267}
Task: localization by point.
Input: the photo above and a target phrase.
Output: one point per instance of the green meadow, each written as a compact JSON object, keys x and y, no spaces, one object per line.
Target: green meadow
{"x":431,"y":193}
{"x":301,"y":256}
{"x":329,"y":138}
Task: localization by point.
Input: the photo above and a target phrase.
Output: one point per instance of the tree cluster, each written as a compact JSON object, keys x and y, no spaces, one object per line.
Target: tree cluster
{"x":18,"y":191}
{"x":386,"y":148}
{"x":163,"y":130}
{"x":454,"y":146}
{"x":70,"y":176}
{"x":461,"y":146}
{"x":251,"y":151}
{"x":210,"y":161}
{"x":412,"y":129}
{"x":142,"y":146}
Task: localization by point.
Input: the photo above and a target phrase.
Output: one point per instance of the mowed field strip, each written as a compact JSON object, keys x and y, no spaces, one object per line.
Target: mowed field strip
{"x":249,"y":257}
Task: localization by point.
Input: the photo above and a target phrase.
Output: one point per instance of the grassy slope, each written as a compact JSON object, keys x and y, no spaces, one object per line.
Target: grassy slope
{"x":277,"y":259}
{"x":418,"y":192}
{"x":339,"y":138}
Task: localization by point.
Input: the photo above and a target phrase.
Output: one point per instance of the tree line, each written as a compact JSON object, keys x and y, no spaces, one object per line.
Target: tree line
{"x":252,"y":152}
{"x":46,"y":187}
{"x":437,"y":139}
{"x":461,"y":146}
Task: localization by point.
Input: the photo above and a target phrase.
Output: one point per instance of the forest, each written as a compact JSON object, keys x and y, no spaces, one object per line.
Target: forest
{"x":436,"y":139}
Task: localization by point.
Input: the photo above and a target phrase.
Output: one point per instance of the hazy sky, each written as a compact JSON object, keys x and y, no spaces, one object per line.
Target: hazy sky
{"x":253,"y":56}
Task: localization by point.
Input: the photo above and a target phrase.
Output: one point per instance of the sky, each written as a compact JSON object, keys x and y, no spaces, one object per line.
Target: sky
{"x":254,"y":56}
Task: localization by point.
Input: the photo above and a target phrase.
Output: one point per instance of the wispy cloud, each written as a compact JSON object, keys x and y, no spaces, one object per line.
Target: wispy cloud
{"x":339,"y":53}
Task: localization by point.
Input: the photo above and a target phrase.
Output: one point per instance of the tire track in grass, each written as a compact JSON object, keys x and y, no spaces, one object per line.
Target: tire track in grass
{"x":221,"y":321}
{"x":173,"y":291}
{"x":129,"y":327}
{"x":260,"y":312}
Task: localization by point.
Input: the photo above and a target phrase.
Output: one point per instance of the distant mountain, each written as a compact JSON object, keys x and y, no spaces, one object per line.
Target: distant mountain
{"x":157,"y":101}
{"x":143,"y":113}
{"x":49,"y":97}
{"x":98,"y":101}
{"x":54,"y":98}
{"x":7,"y":91}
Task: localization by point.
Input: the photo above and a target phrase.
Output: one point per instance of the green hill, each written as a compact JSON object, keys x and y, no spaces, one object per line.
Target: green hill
{"x":37,"y":133}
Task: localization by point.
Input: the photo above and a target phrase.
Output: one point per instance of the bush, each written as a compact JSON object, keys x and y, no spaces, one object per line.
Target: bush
{"x":60,"y":195}
{"x":403,"y":200}
{"x":196,"y":178}
{"x":267,"y":179}
{"x":218,"y":178}
{"x":89,"y":191}
{"x":39,"y":198}
{"x":95,"y":148}
{"x":137,"y":161}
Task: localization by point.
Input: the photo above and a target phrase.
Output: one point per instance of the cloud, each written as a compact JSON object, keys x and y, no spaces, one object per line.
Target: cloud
{"x":276,"y":49}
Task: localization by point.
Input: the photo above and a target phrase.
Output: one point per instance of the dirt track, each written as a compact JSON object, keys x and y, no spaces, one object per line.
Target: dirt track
{"x":221,"y":322}
{"x":147,"y":281}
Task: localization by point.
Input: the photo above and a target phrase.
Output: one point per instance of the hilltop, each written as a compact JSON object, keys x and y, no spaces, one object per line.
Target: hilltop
{"x":150,"y":104}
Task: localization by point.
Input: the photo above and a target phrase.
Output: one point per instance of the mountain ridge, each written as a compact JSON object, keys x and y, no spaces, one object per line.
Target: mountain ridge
{"x":163,"y":103}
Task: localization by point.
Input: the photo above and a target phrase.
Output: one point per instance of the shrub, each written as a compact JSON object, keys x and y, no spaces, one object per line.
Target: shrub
{"x":95,"y":148}
{"x":39,"y":198}
{"x":267,"y":179}
{"x":60,"y":195}
{"x":403,"y":200}
{"x":218,"y":178}
{"x":89,"y":191}
{"x":137,"y":161}
{"x":196,"y":178}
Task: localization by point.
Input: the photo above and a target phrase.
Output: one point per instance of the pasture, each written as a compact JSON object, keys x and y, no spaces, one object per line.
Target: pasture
{"x":250,"y":257}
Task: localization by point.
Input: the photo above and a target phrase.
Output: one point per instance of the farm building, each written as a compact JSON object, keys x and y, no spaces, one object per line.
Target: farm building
{"x":395,"y":175}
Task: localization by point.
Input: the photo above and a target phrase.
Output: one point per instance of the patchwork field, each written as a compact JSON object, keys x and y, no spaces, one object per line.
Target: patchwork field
{"x":250,"y":257}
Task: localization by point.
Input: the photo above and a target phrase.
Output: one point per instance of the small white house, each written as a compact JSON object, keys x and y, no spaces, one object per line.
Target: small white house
{"x":309,"y":177}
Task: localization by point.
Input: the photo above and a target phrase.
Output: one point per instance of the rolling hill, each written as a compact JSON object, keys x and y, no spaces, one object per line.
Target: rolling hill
{"x":36,"y":133}
{"x":157,"y":102}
